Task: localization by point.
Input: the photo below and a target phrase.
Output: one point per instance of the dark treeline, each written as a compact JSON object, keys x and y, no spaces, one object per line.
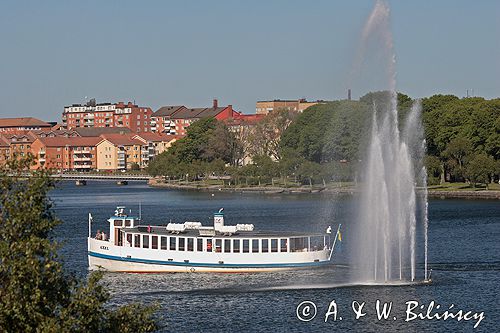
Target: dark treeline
{"x":326,"y":143}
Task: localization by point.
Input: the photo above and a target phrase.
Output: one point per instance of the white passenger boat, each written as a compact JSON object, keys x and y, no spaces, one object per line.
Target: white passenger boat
{"x":192,"y":247}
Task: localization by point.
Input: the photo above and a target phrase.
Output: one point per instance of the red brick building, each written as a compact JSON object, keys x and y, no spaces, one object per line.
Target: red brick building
{"x":136,"y":118}
{"x":62,"y":153}
{"x":175,"y":119}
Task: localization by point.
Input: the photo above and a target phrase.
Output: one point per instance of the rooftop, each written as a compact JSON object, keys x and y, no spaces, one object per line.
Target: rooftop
{"x":125,"y":139}
{"x":23,"y":122}
{"x":97,"y":131}
{"x":168,"y":110}
{"x":156,"y":137}
{"x":72,"y":142}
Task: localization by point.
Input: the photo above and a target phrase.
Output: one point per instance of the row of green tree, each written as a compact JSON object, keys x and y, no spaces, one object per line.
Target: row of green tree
{"x":326,"y":143}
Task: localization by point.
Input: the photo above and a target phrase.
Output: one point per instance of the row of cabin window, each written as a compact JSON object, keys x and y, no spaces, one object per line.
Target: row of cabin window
{"x":209,"y":245}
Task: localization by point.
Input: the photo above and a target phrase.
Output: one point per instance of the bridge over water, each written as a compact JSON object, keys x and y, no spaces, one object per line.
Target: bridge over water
{"x":116,"y":177}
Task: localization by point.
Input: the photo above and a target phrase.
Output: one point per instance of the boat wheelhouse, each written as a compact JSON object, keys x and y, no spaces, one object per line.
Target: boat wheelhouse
{"x":192,"y":247}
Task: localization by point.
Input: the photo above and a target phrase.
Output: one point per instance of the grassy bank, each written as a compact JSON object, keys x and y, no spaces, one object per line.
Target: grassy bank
{"x":448,"y":190}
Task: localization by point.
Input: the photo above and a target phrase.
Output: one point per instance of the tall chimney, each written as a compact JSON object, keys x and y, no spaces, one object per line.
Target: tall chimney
{"x":215,"y":104}
{"x":349,"y":94}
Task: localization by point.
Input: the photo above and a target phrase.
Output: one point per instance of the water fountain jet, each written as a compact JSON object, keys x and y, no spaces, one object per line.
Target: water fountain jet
{"x":385,"y":248}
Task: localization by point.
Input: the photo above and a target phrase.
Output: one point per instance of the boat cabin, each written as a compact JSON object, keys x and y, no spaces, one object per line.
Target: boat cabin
{"x":194,"y":237}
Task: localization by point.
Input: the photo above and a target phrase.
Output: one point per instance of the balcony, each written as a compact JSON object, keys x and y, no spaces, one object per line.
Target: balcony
{"x":89,"y":116}
{"x":81,"y":150}
{"x":82,"y":166}
{"x":81,"y":158}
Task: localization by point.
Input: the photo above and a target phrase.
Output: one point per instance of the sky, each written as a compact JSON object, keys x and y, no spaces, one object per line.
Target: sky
{"x":56,"y":53}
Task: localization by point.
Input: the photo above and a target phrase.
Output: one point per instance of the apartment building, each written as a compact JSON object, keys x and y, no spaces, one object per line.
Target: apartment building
{"x":136,"y":118}
{"x":118,"y":152}
{"x":175,"y":119}
{"x":298,"y":105}
{"x":20,"y":144}
{"x":66,"y":153}
{"x":4,"y":150}
{"x":153,"y":145}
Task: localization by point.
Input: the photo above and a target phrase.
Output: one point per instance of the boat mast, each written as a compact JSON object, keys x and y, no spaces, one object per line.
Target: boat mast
{"x":334,"y":241}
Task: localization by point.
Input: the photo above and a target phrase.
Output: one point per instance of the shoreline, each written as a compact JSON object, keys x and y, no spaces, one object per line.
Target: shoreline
{"x":439,"y":194}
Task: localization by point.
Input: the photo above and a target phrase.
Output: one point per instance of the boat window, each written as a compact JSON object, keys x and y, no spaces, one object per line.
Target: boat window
{"x":236,"y":245}
{"x":283,"y":245}
{"x":199,"y":244}
{"x":154,"y":242}
{"x":173,"y":241}
{"x":274,"y":245}
{"x":182,"y":243}
{"x":190,"y":245}
{"x":298,"y":244}
{"x":118,"y":223}
{"x":164,"y":243}
{"x":255,"y":245}
{"x":129,"y":240}
{"x":137,"y":240}
{"x":265,"y":245}
{"x":145,"y":241}
{"x":127,"y":223}
{"x":218,"y":245}
{"x":209,"y":245}
{"x":317,"y":243}
{"x":246,"y":245}
{"x":227,"y":245}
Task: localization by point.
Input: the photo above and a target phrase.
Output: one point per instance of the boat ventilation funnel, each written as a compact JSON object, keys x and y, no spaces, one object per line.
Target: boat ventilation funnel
{"x":219,"y":220}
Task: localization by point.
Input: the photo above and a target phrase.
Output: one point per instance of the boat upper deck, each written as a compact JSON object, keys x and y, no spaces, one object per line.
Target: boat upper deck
{"x":162,"y":230}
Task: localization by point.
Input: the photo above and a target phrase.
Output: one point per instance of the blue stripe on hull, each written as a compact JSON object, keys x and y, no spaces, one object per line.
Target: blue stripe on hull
{"x":193,"y":264}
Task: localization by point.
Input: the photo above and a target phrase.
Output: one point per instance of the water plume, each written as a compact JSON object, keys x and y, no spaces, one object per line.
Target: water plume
{"x":385,"y":245}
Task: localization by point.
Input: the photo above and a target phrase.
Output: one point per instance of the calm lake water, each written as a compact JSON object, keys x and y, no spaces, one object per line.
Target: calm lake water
{"x":464,"y":255}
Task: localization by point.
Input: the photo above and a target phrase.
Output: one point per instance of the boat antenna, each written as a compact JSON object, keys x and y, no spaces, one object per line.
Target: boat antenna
{"x":140,"y":210}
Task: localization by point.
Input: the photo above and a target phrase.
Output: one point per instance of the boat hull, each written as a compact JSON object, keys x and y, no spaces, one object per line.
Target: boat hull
{"x":112,"y":265}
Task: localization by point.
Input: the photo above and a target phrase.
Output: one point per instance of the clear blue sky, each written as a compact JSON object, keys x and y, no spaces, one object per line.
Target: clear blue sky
{"x":55,"y":53}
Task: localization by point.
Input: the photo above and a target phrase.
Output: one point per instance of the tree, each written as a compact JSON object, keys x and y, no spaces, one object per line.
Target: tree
{"x":456,"y":152}
{"x":36,"y":293}
{"x":480,"y":168}
{"x":267,"y":134}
